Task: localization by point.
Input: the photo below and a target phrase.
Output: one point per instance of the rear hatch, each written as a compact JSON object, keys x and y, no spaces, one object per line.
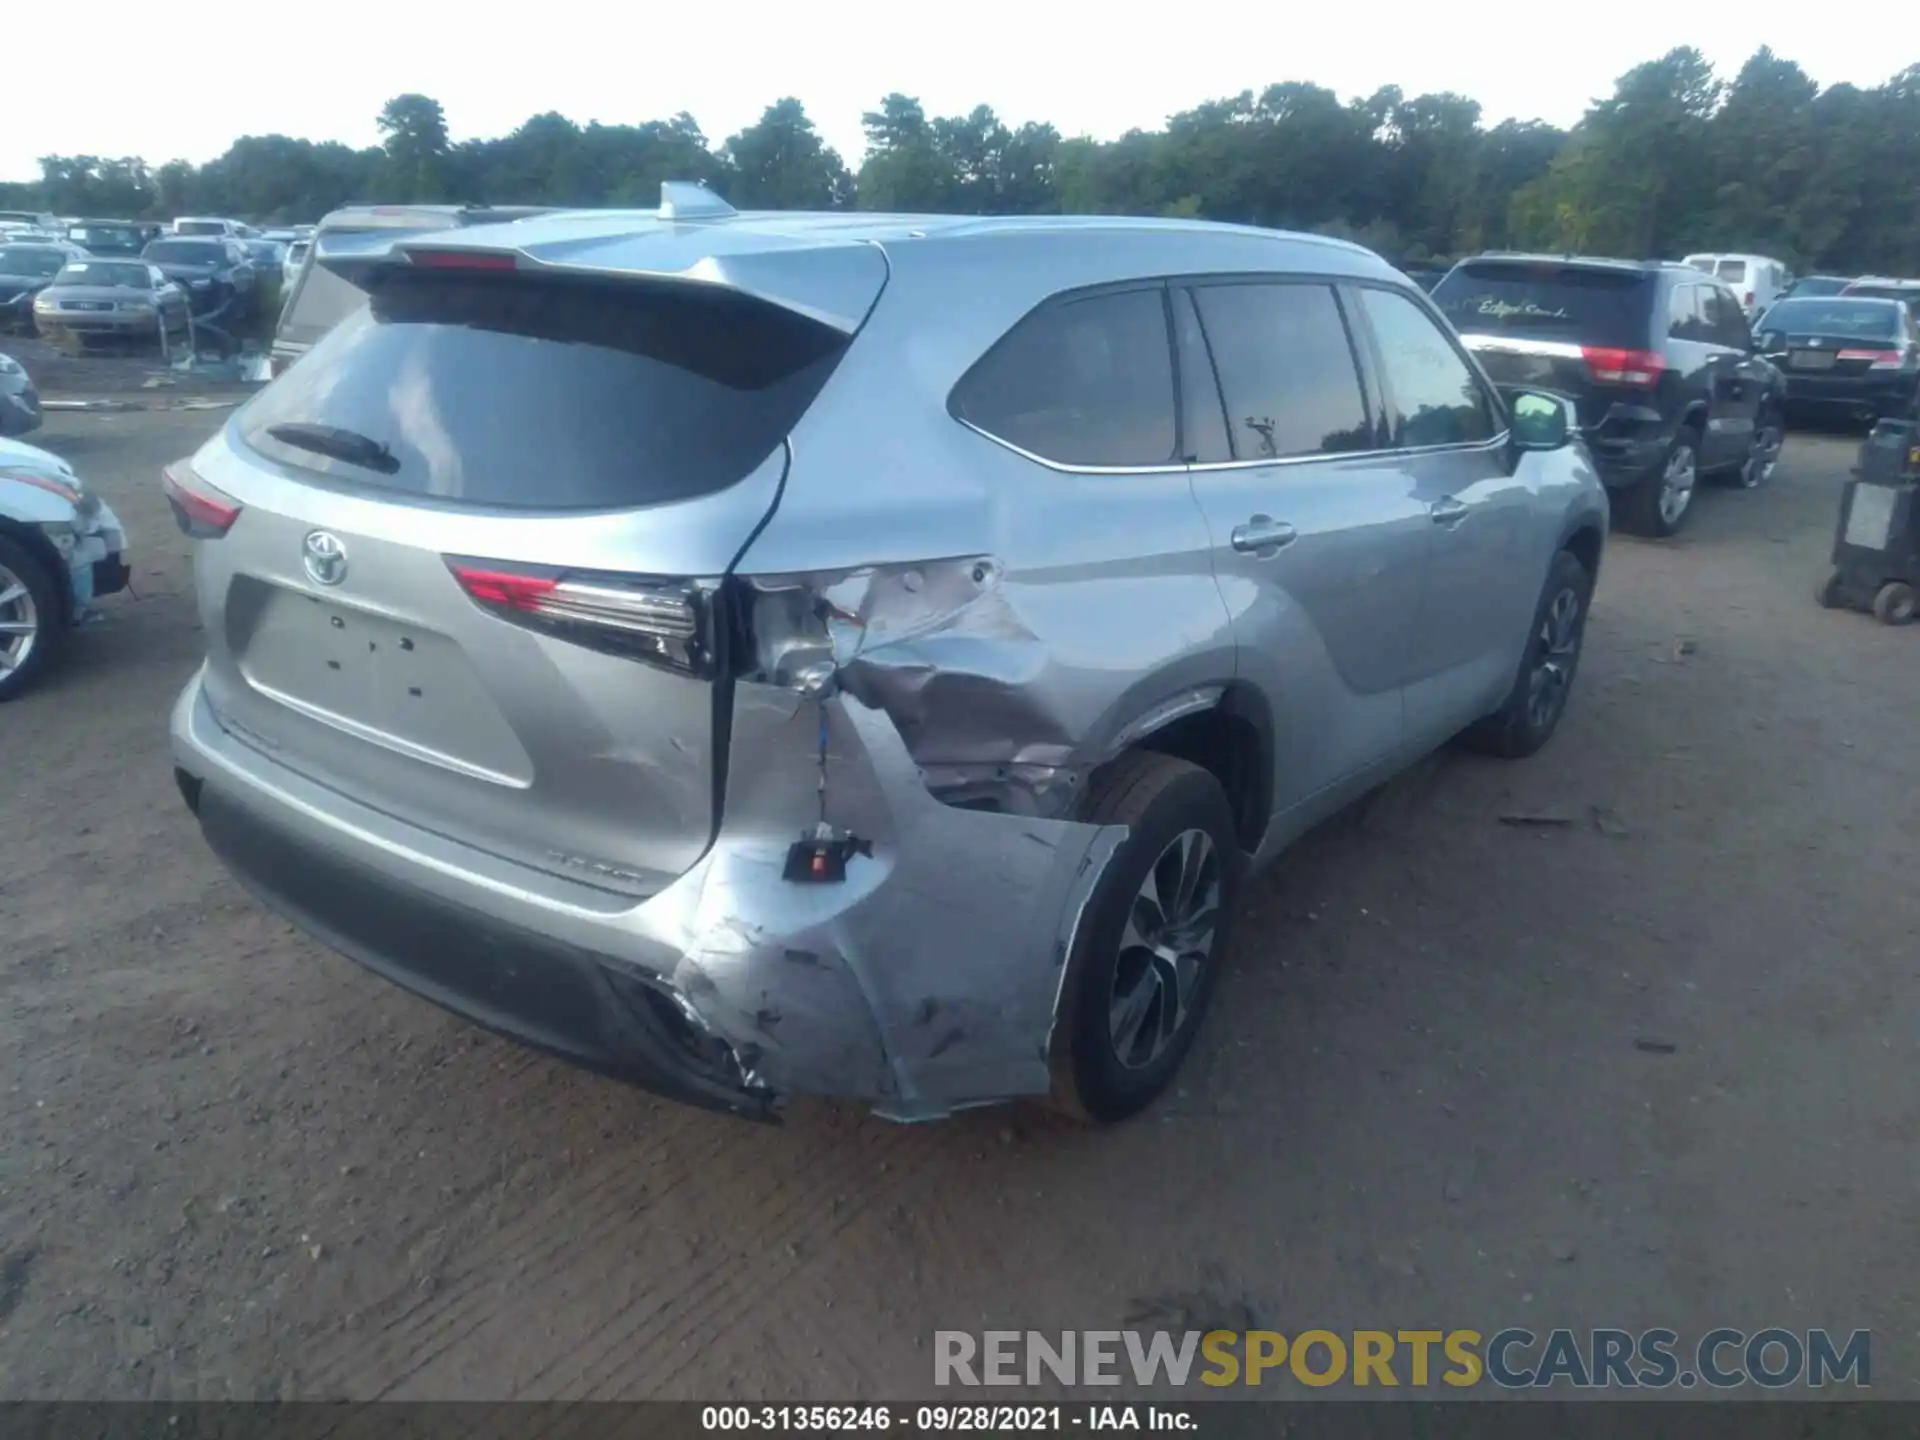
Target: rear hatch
{"x":471,"y":577}
{"x":1578,"y":329}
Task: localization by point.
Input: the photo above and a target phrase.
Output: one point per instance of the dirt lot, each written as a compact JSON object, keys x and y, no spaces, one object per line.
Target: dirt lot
{"x":1436,"y":1091}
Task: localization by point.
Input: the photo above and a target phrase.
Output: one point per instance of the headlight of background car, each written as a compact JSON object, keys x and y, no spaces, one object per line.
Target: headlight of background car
{"x":201,"y":284}
{"x":11,"y":366}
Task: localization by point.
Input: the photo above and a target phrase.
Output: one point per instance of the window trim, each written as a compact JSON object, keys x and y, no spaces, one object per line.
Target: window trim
{"x":1371,"y":389}
{"x":1497,"y":403}
{"x":1158,"y":284}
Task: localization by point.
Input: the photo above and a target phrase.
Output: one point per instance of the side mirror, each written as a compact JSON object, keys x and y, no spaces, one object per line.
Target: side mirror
{"x":1540,"y":421}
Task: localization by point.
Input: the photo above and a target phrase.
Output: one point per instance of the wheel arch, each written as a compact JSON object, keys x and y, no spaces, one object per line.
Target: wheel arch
{"x":1231,"y":737}
{"x":34,"y":541}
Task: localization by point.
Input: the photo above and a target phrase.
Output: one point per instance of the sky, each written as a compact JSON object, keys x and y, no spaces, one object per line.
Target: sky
{"x":322,"y":71}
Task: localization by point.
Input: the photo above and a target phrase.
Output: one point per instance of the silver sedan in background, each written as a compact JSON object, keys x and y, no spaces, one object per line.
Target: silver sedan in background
{"x":118,"y":299}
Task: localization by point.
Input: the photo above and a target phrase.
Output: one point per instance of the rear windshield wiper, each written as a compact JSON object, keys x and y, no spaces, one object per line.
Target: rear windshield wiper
{"x":330,"y":440}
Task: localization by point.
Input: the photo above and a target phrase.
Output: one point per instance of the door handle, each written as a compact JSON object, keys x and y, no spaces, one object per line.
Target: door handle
{"x":1449,"y":511}
{"x":1263,"y":536}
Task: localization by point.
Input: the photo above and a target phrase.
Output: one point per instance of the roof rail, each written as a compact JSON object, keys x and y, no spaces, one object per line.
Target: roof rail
{"x":690,"y":200}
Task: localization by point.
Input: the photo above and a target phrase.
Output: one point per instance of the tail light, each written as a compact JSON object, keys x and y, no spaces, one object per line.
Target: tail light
{"x":1609,"y":366}
{"x":666,"y":622}
{"x":1876,"y":359}
{"x":198,"y":509}
{"x":1747,"y":300}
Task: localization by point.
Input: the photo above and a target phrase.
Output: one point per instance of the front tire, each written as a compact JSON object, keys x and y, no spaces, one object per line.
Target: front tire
{"x":31,"y":620}
{"x":1152,"y":938}
{"x":1531,"y":712}
{"x":1659,"y":504}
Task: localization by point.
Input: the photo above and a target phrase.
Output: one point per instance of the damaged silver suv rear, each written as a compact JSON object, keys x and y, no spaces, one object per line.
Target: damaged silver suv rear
{"x":851,"y":655}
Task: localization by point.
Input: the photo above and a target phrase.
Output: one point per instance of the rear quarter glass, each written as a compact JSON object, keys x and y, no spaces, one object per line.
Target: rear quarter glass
{"x":538,"y":393}
{"x":1549,"y":302}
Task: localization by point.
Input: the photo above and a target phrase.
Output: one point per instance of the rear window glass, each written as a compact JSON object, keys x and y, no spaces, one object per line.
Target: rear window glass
{"x":1833,"y":317}
{"x":199,"y":227}
{"x":542,"y":394}
{"x":321,"y":300}
{"x":187,"y":252}
{"x":1548,"y":302}
{"x":1082,"y":382}
{"x":1734,"y":270}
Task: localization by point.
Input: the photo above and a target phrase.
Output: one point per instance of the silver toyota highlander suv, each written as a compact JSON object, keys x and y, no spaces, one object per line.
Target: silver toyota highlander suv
{"x":849,"y":654}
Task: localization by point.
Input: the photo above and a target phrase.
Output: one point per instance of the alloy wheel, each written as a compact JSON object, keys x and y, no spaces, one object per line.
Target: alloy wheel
{"x":1763,"y":456}
{"x":1556,"y":650}
{"x":1676,"y":485}
{"x":1168,"y":941}
{"x":19,"y":622}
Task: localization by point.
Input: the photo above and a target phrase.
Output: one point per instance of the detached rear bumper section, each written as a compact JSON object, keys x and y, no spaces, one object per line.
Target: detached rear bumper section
{"x":924,"y":982}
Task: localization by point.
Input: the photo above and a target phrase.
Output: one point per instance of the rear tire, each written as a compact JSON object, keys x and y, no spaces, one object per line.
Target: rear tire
{"x":1659,"y":503}
{"x":1832,"y":593}
{"x":27,"y":598}
{"x":1531,"y":712}
{"x":1151,"y":940}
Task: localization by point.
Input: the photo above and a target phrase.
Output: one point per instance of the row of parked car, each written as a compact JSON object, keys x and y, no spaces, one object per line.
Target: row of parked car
{"x":1680,"y":370}
{"x":132,"y":280}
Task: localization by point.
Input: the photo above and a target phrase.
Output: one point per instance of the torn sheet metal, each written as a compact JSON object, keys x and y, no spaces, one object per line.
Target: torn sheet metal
{"x":928,"y":979}
{"x":942,"y":648}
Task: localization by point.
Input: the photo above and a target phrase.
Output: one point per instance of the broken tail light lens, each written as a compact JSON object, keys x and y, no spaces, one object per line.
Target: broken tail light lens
{"x":198,"y":509}
{"x":665,"y":622}
{"x":1876,"y":359}
{"x":1610,"y":366}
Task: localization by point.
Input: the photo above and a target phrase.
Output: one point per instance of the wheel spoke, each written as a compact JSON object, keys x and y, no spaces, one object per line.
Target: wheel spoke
{"x":17,"y":627}
{"x":12,"y":593}
{"x":1130,"y":1013}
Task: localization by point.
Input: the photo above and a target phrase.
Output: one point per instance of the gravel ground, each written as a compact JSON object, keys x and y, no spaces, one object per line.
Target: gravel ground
{"x":1652,"y":1066}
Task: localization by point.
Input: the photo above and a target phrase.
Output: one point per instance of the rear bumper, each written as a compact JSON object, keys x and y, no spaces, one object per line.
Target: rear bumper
{"x":1625,"y":460}
{"x":925,"y":981}
{"x":1885,"y":394}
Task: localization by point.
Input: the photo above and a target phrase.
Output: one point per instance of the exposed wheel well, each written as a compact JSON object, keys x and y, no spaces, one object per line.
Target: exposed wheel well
{"x":1584,"y":546}
{"x":1695,"y":419}
{"x":36,"y":544}
{"x":1230,"y":745}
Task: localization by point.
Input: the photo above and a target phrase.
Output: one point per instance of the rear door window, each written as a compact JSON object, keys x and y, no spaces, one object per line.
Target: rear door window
{"x":1732,"y":271}
{"x":1085,"y":381}
{"x":1580,"y":305}
{"x":1436,"y":398}
{"x":536,"y":393}
{"x":1287,"y":370}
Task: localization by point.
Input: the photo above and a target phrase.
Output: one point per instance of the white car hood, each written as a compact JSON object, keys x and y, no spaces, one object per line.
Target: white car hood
{"x":20,"y":458}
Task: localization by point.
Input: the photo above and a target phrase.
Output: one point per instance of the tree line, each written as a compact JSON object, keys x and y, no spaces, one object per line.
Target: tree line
{"x":1674,"y":160}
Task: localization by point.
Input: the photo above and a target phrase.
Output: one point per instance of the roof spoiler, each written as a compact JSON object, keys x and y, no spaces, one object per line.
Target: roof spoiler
{"x":830,"y":281}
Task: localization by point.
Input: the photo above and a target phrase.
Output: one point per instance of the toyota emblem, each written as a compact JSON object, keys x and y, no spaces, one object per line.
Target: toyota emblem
{"x":326,"y":558}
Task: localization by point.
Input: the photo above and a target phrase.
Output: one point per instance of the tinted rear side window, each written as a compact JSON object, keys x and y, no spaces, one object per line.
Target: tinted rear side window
{"x":1286,"y":369}
{"x":543,"y":394}
{"x":1086,"y":381}
{"x":1549,"y":302}
{"x":320,"y":301}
